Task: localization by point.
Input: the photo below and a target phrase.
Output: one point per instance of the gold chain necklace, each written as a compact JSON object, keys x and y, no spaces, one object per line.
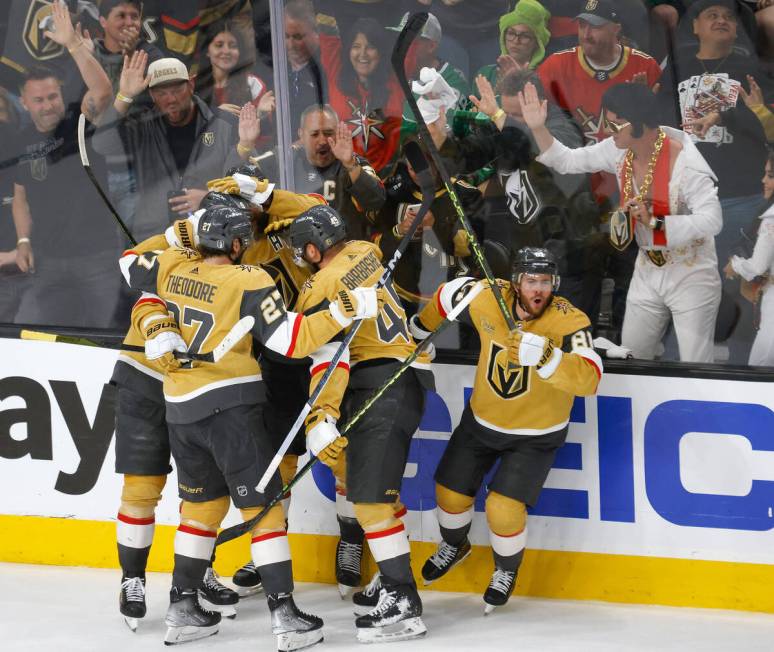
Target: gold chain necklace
{"x":648,"y":179}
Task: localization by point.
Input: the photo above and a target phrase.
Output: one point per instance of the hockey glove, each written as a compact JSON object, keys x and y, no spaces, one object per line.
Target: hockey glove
{"x":256,"y":190}
{"x":162,"y":338}
{"x":278,"y":225}
{"x":530,"y":350}
{"x":324,"y":441}
{"x":360,"y":303}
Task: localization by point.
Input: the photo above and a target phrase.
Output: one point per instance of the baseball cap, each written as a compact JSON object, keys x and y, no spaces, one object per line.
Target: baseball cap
{"x":599,"y":12}
{"x":431,"y":29}
{"x":167,"y":70}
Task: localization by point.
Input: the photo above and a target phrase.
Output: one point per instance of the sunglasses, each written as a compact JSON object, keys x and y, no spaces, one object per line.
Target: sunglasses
{"x":615,"y":127}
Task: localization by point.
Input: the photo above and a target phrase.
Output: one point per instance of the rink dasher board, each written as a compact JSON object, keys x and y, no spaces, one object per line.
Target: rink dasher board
{"x":663,"y":493}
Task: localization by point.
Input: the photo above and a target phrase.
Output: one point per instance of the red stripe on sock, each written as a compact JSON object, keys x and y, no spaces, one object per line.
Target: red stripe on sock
{"x":508,"y":536}
{"x":192,"y":530}
{"x":401,"y":513}
{"x":324,"y":365}
{"x":385,"y":533}
{"x":136,"y":521}
{"x":266,"y":537}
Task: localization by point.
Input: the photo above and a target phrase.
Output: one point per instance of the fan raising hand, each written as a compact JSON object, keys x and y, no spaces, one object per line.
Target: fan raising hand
{"x":533,"y":110}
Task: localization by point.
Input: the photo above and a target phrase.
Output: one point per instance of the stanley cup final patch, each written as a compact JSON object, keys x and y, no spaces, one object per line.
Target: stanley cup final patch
{"x":621,"y":229}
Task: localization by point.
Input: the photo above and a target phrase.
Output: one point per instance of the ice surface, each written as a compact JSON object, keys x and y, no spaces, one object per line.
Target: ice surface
{"x":52,"y":608}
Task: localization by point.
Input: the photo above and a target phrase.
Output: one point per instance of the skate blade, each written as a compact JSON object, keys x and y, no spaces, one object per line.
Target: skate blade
{"x":131,"y":623}
{"x":426,"y":582}
{"x":247,"y":591}
{"x":225,"y":610}
{"x":299,"y":640}
{"x":346,"y":591}
{"x":176,"y":635}
{"x":489,"y":608}
{"x":400,"y":631}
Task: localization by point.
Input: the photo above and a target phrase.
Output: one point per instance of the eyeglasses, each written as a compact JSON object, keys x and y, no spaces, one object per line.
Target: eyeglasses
{"x":526,"y":37}
{"x":616,"y":127}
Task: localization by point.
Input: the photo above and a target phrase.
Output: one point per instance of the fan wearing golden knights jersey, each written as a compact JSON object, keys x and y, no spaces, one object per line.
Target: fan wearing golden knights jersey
{"x":525,"y":384}
{"x":368,"y":476}
{"x":214,"y":409}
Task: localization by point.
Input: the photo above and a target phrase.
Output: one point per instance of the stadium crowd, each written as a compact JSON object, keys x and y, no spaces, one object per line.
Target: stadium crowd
{"x":628,"y":137}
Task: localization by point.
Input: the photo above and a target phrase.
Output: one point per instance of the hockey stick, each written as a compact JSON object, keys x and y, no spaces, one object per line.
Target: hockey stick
{"x":236,"y":531}
{"x":87,"y":166}
{"x":426,"y":183}
{"x":413,"y":27}
{"x":237,"y":332}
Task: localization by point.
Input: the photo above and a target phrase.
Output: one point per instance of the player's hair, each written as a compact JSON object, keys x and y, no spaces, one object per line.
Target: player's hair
{"x":38,"y":73}
{"x":327,"y":109}
{"x":106,"y":6}
{"x":633,"y":102}
{"x":513,"y":83}
{"x":378,"y":37}
{"x":302,"y":10}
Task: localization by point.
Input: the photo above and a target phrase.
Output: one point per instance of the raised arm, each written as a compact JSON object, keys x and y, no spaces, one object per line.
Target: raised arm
{"x":97,"y":97}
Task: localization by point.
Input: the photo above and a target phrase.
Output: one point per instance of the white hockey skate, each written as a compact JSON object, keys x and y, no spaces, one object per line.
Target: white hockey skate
{"x":499,"y":590}
{"x":395,"y":618}
{"x":294,"y":629}
{"x":186,"y":620}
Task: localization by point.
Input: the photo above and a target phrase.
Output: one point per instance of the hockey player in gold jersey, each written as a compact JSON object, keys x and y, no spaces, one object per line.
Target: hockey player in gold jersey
{"x":525,"y":384}
{"x":369,"y":473}
{"x":214,"y":409}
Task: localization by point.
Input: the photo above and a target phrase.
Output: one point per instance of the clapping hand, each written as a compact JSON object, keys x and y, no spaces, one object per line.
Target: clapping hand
{"x":534,"y":111}
{"x":133,"y":80}
{"x":755,"y":96}
{"x":249,"y":125}
{"x":488,"y":102}
{"x":267,"y":102}
{"x":341,"y":146}
{"x":63,"y":31}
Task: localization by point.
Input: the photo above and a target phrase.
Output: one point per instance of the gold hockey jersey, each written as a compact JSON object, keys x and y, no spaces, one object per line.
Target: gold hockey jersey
{"x":387,"y":337}
{"x":518,"y":401}
{"x":207,"y":301}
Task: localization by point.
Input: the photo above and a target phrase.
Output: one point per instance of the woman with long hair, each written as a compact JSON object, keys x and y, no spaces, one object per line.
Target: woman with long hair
{"x":363,"y":91}
{"x":758,"y":271}
{"x":224,"y":79}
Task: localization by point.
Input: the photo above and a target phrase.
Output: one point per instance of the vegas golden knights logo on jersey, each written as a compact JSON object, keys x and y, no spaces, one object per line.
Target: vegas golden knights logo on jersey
{"x":506,"y":384}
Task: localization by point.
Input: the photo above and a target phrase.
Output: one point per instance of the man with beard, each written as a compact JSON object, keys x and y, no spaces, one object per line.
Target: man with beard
{"x":325,"y":163}
{"x":175,"y":146}
{"x":526,"y":381}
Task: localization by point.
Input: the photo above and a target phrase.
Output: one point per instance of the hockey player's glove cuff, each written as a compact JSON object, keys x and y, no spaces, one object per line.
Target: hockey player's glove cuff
{"x":325,"y":442}
{"x":360,"y":303}
{"x":530,"y":350}
{"x":278,"y":225}
{"x":162,"y":345}
{"x":417,"y":329}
